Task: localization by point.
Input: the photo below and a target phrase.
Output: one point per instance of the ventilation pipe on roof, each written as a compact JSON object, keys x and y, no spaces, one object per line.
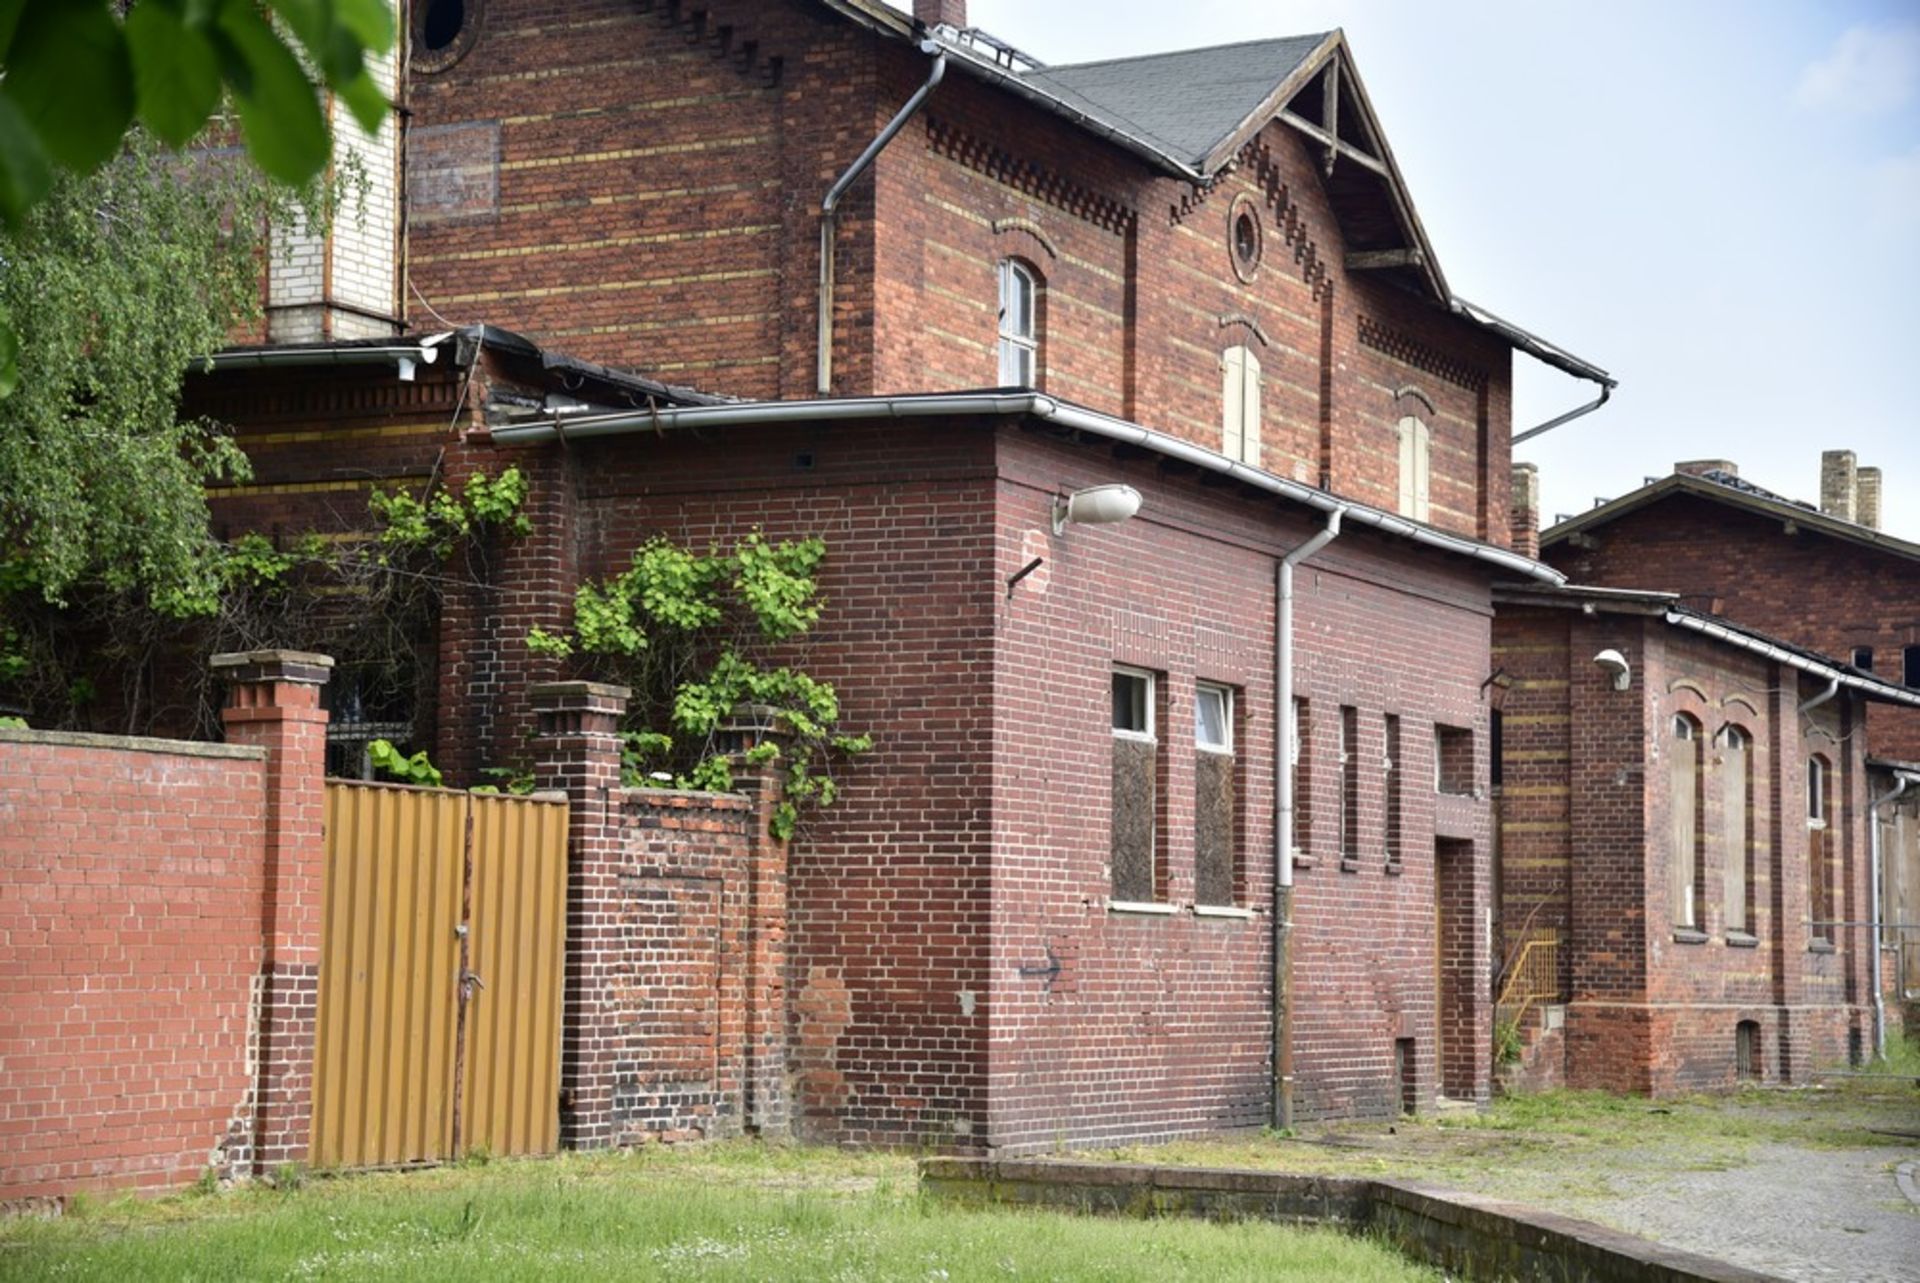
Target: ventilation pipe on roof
{"x":839,"y":189}
{"x":1287,"y":729}
{"x":1900,"y":781}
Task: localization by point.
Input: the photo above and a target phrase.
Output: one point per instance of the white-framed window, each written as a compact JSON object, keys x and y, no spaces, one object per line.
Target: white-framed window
{"x":1019,"y":342}
{"x":1240,"y":405}
{"x":1684,"y":797}
{"x":1216,"y":803}
{"x":1137,"y":875}
{"x":1820,"y":889}
{"x":1416,"y":468}
{"x":1816,"y":793}
{"x":1213,"y":718}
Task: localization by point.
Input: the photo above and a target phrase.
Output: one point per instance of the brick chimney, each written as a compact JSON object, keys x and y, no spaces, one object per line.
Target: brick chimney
{"x":1838,"y":482}
{"x":1700,"y":467}
{"x":1866,"y":497}
{"x":935,"y":12}
{"x":1523,"y":512}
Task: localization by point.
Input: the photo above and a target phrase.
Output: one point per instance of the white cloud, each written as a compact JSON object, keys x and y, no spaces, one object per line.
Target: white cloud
{"x":1870,"y":69}
{"x":1893,"y":191}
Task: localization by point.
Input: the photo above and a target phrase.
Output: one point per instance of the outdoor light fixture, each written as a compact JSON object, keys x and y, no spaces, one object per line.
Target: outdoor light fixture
{"x":1095,"y":506}
{"x":1616,"y":663}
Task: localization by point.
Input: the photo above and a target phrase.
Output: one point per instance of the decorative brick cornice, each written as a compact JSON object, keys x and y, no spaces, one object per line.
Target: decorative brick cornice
{"x":1287,"y":220}
{"x":944,"y":138}
{"x":1403,"y":347}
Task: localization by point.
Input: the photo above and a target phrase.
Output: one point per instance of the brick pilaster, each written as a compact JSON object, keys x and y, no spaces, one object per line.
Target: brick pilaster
{"x":273,"y":702}
{"x":765,"y":1072}
{"x":578,"y":751}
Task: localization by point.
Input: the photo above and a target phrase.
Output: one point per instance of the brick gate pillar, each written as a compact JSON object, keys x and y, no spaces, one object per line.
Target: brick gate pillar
{"x":273,"y":702}
{"x":577,"y":750}
{"x":766,"y":1111}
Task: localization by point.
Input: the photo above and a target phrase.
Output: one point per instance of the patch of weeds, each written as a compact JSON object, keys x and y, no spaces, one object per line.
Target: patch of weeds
{"x":290,"y":1178}
{"x":208,"y":1183}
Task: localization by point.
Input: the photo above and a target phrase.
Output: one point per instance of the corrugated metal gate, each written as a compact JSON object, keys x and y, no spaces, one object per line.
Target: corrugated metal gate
{"x":425,"y":887}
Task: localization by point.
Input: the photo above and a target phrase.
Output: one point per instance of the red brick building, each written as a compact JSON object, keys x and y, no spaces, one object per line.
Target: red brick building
{"x":1044,"y":910}
{"x":1684,"y":846}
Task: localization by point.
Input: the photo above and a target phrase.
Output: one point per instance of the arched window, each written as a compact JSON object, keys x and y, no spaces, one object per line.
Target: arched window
{"x":1416,"y":448}
{"x":1820,"y":849}
{"x":1736,"y":826}
{"x":1019,"y":330}
{"x":1684,"y":807}
{"x":1240,"y":405}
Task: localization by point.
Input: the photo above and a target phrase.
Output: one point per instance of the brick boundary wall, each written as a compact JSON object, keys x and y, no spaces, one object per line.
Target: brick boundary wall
{"x":676,"y":941}
{"x":1466,"y":1235}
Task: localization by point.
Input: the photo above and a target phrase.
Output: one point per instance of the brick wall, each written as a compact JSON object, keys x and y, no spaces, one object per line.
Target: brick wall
{"x":1586,"y":850}
{"x":130,"y":960}
{"x":1827,"y":594}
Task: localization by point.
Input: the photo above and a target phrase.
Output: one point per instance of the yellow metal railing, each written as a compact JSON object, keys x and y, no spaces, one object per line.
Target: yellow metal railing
{"x":1533,"y":976}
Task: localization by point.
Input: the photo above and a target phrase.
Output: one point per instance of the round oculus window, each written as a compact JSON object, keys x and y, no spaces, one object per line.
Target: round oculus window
{"x":1244,"y":236}
{"x":443,"y":32}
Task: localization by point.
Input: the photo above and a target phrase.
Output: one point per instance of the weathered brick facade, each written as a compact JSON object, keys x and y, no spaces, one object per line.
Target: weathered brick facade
{"x":1654,"y":994}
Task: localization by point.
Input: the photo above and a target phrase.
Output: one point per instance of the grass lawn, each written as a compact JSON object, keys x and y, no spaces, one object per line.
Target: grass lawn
{"x":728,"y":1211}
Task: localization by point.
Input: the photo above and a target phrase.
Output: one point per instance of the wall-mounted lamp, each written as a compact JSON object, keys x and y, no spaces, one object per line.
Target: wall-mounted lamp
{"x":1616,"y":663}
{"x":1095,"y":506}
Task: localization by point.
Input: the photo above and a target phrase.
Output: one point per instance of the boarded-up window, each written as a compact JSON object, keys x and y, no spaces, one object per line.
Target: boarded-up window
{"x":1737,"y":847}
{"x":1349,"y":783}
{"x":1819,"y":850}
{"x":1134,"y":794}
{"x":1683,"y":808}
{"x":1393,"y":771}
{"x":1240,"y":405}
{"x":1216,"y":801}
{"x":1416,"y":468}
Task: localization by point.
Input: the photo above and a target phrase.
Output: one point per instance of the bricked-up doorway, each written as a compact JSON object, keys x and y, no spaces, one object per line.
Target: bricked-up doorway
{"x":442,"y":957}
{"x":1454,"y":922}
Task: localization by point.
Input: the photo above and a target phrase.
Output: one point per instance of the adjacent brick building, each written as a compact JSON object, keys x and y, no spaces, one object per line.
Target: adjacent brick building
{"x":1042,"y":912}
{"x":1684,"y":842}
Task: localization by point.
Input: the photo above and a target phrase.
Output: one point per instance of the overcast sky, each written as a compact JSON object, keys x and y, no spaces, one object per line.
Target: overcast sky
{"x":1718,"y":202}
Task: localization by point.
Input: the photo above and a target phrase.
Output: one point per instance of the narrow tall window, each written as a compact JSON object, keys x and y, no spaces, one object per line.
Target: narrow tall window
{"x":1910,"y":667}
{"x":1416,"y":472}
{"x":1349,"y":783}
{"x":1216,"y":802}
{"x":1135,"y":776}
{"x":1019,"y":346}
{"x":1863,"y":658}
{"x":1240,"y":405}
{"x":1819,"y":849}
{"x":1302,"y":776}
{"x":1735,"y":781}
{"x":1392,"y":765}
{"x":1684,"y":808}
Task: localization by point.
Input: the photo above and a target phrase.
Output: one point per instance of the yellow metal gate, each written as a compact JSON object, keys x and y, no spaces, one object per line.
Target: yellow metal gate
{"x":424,"y":887}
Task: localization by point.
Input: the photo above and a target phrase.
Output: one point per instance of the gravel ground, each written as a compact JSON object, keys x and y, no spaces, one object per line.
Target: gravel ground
{"x":1803,"y":1184}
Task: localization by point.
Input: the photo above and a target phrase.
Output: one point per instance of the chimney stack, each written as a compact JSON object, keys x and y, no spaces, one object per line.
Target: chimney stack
{"x":1700,"y":467}
{"x":934,"y":12}
{"x":1866,"y":497}
{"x":1838,"y":481}
{"x":1523,"y":516}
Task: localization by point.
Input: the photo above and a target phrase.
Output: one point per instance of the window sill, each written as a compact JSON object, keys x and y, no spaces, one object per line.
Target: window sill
{"x":1349,"y":865}
{"x":1394,"y":868}
{"x":1301,"y":860}
{"x":1687,"y":935}
{"x":1222,"y":911}
{"x":1741,"y":940}
{"x":1821,"y":946}
{"x":1141,"y":907}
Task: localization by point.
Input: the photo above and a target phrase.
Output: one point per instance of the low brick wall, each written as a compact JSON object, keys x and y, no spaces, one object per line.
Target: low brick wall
{"x":1463,"y":1234}
{"x":132,"y":874}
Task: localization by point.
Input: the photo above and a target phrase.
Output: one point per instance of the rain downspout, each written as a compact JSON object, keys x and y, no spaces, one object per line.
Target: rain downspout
{"x":839,"y":189}
{"x":1833,"y":688}
{"x":1900,"y":783}
{"x":1283,"y":819}
{"x":1606,"y":391}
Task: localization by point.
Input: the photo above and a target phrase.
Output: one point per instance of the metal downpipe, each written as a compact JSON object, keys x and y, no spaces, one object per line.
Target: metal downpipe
{"x":1283,"y":818}
{"x":824,"y":364}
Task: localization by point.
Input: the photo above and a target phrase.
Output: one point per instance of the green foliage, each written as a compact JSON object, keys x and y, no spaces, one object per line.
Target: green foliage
{"x":207,"y":1183}
{"x":289,"y":1178}
{"x":389,"y":760}
{"x":13,"y":723}
{"x":75,"y":75}
{"x":1507,"y":1042}
{"x":695,"y":636}
{"x":438,"y":523}
{"x":514,"y":781}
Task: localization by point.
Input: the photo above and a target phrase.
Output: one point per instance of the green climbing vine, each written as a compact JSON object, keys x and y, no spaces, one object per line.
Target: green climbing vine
{"x":699,"y":637}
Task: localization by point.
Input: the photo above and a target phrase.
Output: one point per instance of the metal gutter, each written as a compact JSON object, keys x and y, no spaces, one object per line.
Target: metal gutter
{"x":1039,"y":406}
{"x":1872,"y":688}
{"x":426,"y":351}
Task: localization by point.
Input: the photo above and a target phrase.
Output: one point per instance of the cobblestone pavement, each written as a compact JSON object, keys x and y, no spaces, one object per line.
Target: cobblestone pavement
{"x":1804,"y":1185}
